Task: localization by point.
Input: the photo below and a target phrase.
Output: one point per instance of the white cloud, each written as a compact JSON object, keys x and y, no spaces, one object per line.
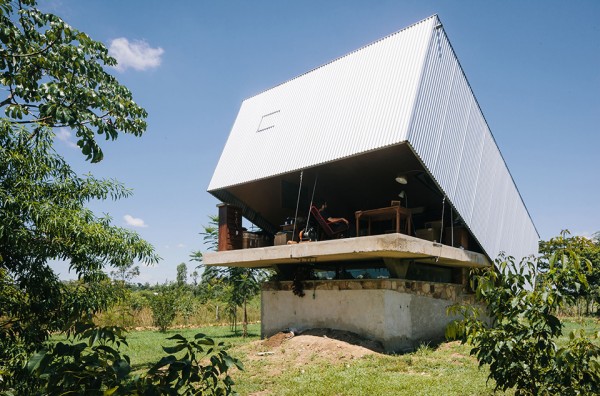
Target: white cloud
{"x":134,"y":221}
{"x":64,"y":135}
{"x":180,"y":245}
{"x":135,"y":54}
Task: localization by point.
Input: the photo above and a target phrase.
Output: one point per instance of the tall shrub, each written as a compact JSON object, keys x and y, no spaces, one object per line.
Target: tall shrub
{"x":164,"y":308}
{"x":517,"y":332}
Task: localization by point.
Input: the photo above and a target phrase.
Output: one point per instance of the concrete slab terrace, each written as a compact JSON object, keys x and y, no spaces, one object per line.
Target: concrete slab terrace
{"x":393,"y":246}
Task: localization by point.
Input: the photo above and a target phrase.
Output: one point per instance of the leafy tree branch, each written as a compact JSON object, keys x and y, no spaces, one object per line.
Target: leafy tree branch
{"x":516,"y":327}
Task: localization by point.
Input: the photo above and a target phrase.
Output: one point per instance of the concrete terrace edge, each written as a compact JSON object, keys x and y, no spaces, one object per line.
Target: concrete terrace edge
{"x":394,"y":245}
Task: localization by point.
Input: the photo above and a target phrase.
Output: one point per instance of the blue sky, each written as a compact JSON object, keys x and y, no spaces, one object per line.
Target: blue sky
{"x":534,"y":67}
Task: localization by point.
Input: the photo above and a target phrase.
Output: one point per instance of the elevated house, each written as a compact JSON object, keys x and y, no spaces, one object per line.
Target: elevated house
{"x":393,"y":139}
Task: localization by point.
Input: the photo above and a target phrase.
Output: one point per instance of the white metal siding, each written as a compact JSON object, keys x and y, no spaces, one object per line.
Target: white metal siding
{"x":360,"y":102}
{"x":449,"y":133}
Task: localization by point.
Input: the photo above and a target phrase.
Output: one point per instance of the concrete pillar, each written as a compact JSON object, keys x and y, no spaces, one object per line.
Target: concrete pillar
{"x":397,"y":267}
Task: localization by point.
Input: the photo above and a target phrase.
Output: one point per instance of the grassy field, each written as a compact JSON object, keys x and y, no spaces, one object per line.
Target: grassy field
{"x":444,"y":370}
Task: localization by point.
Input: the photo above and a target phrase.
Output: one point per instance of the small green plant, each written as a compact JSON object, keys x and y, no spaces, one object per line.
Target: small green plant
{"x":423,"y":350}
{"x":164,"y":308}
{"x":137,"y":302}
{"x":202,"y":370}
{"x":90,"y":363}
{"x":186,"y":304}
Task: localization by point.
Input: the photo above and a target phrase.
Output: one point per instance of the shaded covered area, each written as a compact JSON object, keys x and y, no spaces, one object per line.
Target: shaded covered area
{"x":359,"y":183}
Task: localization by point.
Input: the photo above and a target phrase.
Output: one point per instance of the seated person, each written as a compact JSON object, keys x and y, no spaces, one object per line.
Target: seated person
{"x":335,"y":222}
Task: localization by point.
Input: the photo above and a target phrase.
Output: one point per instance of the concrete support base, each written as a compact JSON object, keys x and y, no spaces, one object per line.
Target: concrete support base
{"x":400,"y":314}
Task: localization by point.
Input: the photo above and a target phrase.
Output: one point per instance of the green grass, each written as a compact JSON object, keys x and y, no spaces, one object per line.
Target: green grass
{"x":589,"y":324}
{"x":145,"y":346}
{"x":443,"y":370}
{"x":446,"y":370}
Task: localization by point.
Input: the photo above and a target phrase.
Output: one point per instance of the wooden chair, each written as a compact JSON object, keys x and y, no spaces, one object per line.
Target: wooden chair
{"x":326,"y":225}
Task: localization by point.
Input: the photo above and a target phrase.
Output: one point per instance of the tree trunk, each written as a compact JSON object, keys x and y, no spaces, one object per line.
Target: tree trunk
{"x":245,"y":331}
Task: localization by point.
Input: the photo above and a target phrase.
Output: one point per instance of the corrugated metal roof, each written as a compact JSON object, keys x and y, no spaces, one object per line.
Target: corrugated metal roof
{"x":408,"y":86}
{"x":447,"y":132}
{"x":359,"y":102}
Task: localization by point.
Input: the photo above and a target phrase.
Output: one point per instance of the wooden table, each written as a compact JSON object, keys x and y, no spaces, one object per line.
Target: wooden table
{"x":393,"y":213}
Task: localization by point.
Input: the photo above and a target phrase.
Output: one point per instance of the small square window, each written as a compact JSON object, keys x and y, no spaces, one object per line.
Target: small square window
{"x":268,"y":121}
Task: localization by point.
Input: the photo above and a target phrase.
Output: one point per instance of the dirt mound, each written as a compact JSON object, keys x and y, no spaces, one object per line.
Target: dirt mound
{"x":331,"y":346}
{"x":347,"y":337}
{"x":277,"y":339}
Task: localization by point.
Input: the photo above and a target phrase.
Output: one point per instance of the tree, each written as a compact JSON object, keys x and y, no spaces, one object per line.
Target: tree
{"x":43,"y":217}
{"x":181,"y":275}
{"x":122,"y":276}
{"x":125,"y":273}
{"x":234,"y":285}
{"x":587,"y":248}
{"x":54,"y":76}
{"x":518,"y":331}
{"x":245,"y":284}
{"x":186,"y":304}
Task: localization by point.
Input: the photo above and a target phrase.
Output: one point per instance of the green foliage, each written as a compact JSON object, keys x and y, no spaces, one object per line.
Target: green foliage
{"x":86,"y":298}
{"x":164,"y":307}
{"x":122,"y":275}
{"x":125,"y":273}
{"x":191,"y":311}
{"x":195,"y":276}
{"x":518,"y":334}
{"x":145,"y":346}
{"x":586,"y":248}
{"x":137,"y":301}
{"x":186,"y":304}
{"x":181,"y":275}
{"x":235,"y":286}
{"x":43,"y":217}
{"x":445,"y":370}
{"x":210,"y":235}
{"x":55,"y":77}
{"x":90,"y":363}
{"x":187,"y":375}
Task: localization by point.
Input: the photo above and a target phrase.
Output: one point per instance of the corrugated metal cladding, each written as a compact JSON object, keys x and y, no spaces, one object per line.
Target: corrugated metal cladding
{"x":450,"y":135}
{"x":408,"y":86}
{"x":360,"y":102}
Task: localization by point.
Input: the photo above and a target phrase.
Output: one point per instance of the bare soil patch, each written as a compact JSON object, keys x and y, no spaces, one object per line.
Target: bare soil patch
{"x":286,"y":350}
